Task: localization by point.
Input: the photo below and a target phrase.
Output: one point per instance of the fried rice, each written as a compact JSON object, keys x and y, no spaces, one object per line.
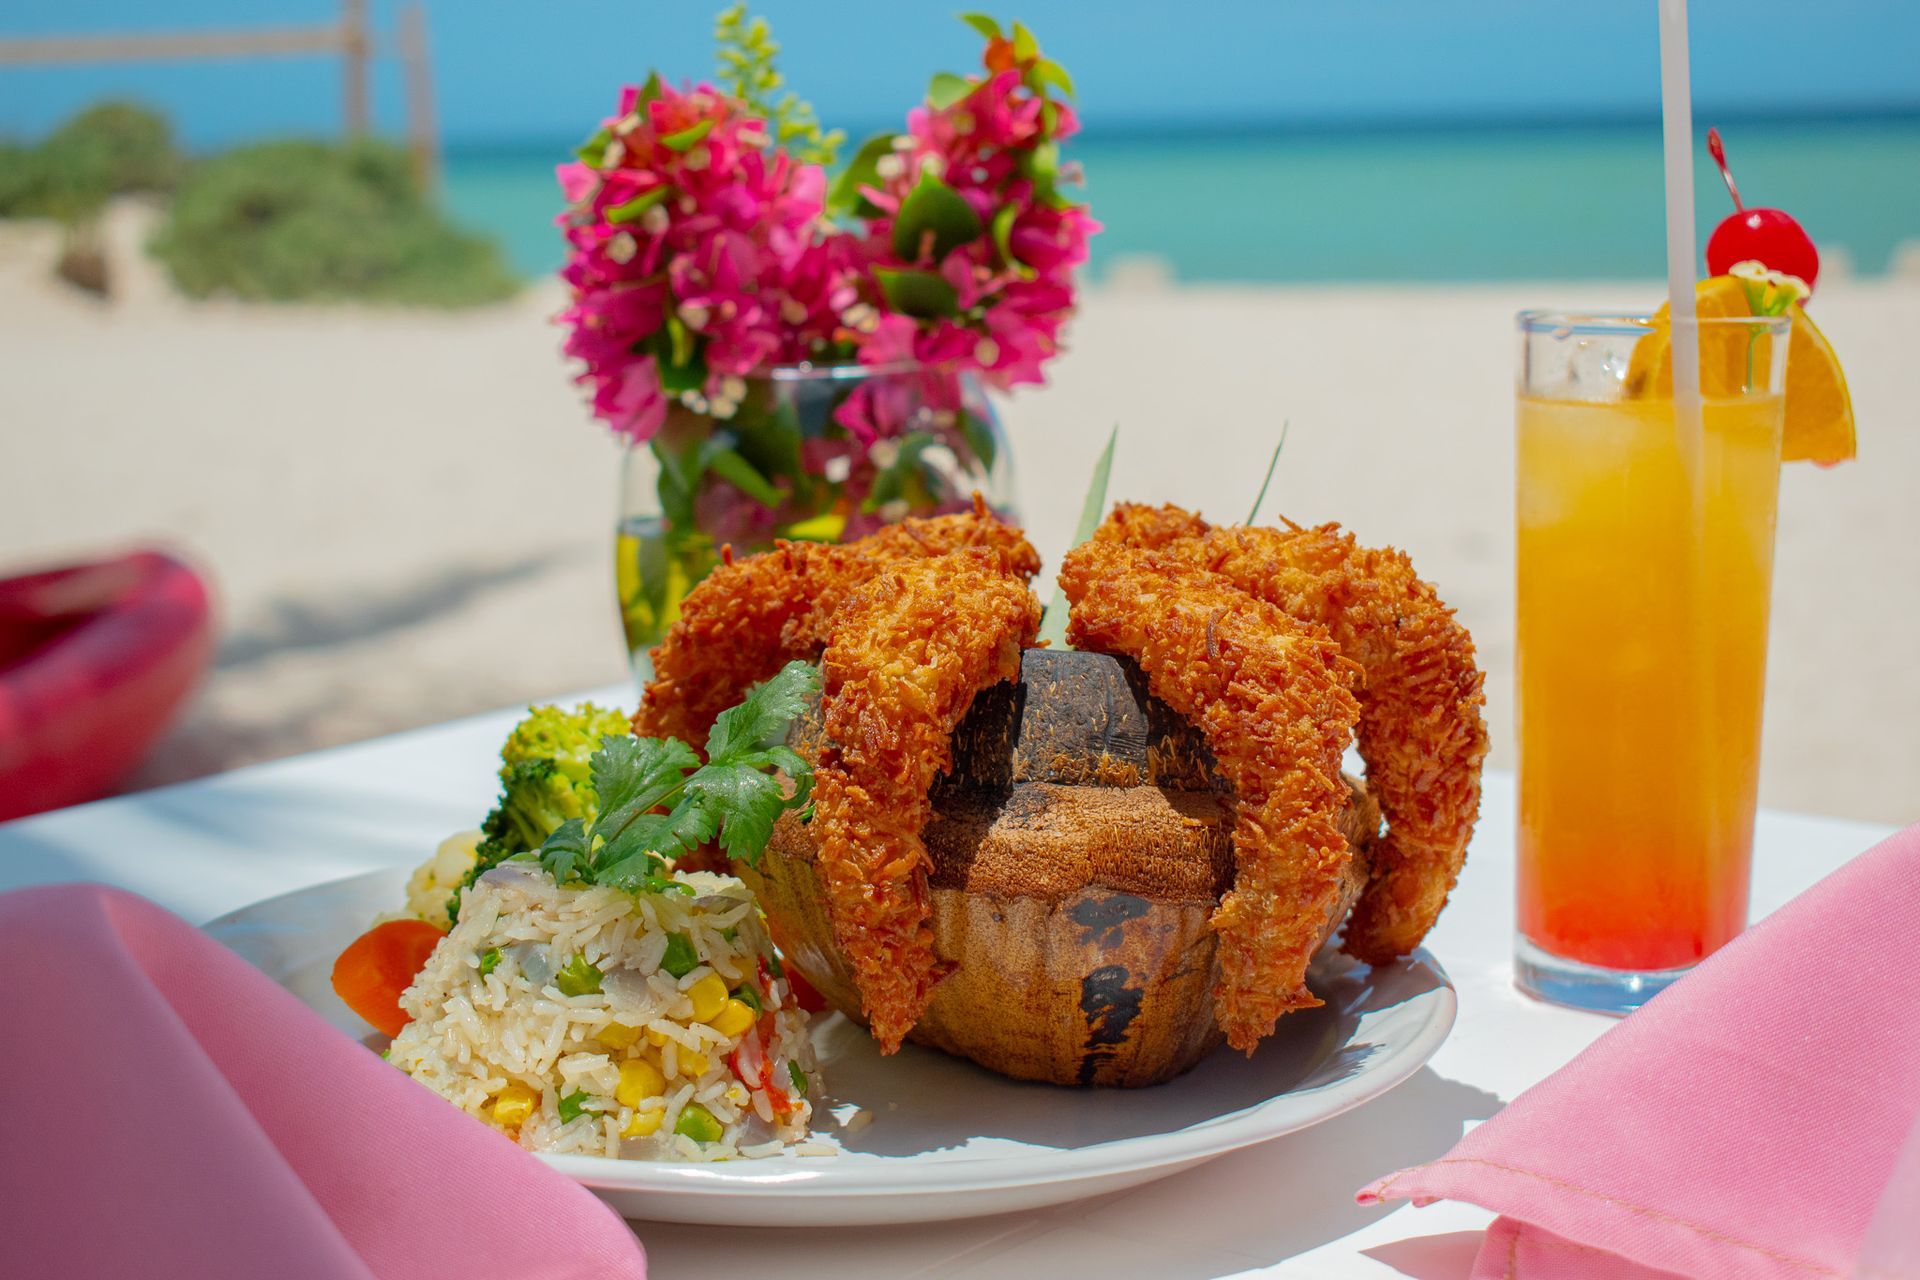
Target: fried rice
{"x":587,"y":1020}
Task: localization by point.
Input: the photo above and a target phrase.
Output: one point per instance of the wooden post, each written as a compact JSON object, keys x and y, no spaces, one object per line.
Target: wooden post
{"x":354,"y":48}
{"x":423,"y":135}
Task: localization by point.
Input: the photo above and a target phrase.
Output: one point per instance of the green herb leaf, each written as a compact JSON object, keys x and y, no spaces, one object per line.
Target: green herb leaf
{"x":633,"y":775}
{"x":564,"y":854}
{"x":1053,"y":624}
{"x":489,"y":960}
{"x":680,"y":958}
{"x":947,"y":89}
{"x":933,"y":211}
{"x":573,"y":1106}
{"x":1272,"y":463}
{"x":688,"y":138}
{"x":632,"y":210}
{"x":750,"y":801}
{"x":657,"y":800}
{"x":579,"y":977}
{"x":983,"y":23}
{"x":764,"y":715}
{"x":925,"y":294}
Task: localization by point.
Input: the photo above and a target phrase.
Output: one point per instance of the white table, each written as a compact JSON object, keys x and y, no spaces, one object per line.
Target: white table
{"x":1284,"y":1208}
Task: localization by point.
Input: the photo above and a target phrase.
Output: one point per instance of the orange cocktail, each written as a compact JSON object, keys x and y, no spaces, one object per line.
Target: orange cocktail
{"x":1645,"y":566}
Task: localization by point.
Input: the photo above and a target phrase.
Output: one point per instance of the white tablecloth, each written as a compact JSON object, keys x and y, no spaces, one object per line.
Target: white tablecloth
{"x":1284,"y":1208}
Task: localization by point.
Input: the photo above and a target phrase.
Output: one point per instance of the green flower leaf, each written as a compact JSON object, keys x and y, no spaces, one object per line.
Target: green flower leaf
{"x":979,"y":438}
{"x":984,"y":24}
{"x":936,"y":209}
{"x":1025,"y":47}
{"x":688,"y":138}
{"x":1003,"y":220}
{"x":947,"y":89}
{"x":924,"y":294}
{"x":1048,"y":72}
{"x":633,"y":210}
{"x":593,"y":152}
{"x":861,"y":171}
{"x":738,"y":472}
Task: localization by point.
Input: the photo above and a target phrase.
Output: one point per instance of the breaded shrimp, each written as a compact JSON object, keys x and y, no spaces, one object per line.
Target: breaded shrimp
{"x":1272,"y":698}
{"x":749,"y":617}
{"x":905,"y":655}
{"x":1422,"y":733}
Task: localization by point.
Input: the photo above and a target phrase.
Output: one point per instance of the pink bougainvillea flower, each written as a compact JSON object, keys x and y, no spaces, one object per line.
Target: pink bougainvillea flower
{"x":699,"y":253}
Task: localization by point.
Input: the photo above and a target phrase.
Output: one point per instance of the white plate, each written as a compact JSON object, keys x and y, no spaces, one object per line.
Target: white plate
{"x":947,"y":1139}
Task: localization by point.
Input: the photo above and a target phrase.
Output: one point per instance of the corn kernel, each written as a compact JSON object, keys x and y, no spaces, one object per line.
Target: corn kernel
{"x":638,"y":1079}
{"x":617,"y":1035}
{"x":735,"y":1016}
{"x":513,"y":1106}
{"x":644,"y":1123}
{"x":692,"y":1065}
{"x":658,"y":1039}
{"x":709,"y":996}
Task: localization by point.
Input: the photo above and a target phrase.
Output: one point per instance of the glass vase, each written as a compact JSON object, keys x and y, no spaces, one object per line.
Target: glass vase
{"x":824,"y":453}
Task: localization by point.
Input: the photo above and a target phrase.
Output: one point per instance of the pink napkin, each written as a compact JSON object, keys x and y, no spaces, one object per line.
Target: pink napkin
{"x":171,"y":1112}
{"x":1757,"y":1120}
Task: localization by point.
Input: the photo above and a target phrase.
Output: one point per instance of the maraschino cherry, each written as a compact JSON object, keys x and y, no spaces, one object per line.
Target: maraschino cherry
{"x":1770,"y":236}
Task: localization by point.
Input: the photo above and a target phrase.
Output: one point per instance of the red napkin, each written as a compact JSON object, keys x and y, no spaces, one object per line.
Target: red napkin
{"x":170,"y":1111}
{"x":1756,"y":1120}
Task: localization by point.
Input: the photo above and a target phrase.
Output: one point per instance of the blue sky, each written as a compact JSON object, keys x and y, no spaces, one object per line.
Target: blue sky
{"x":531,"y":70}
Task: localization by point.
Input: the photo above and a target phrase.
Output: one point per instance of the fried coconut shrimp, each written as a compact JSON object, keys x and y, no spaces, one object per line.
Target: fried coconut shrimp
{"x":1421,"y":731}
{"x":905,"y":655}
{"x":1272,"y":697}
{"x":751,"y":616}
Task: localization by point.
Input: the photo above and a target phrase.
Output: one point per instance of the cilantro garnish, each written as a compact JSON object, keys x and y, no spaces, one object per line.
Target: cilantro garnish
{"x":657,"y":800}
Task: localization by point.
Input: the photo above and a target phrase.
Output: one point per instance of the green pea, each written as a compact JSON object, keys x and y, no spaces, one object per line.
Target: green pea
{"x":680,"y":958}
{"x":697,"y":1122}
{"x":579,"y":978}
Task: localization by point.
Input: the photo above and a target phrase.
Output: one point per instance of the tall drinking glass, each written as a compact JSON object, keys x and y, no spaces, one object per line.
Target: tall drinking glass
{"x":1645,"y":557}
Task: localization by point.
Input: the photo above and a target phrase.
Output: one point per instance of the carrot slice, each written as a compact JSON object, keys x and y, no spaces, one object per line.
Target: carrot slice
{"x":379,"y":965}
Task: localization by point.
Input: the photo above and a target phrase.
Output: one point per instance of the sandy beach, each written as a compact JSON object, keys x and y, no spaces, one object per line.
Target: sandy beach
{"x":408,"y":515}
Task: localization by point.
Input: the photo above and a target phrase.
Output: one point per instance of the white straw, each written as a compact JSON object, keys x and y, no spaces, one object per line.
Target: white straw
{"x":1676,"y":113}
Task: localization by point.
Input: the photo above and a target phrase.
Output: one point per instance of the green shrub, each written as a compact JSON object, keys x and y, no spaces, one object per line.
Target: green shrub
{"x":312,"y":220}
{"x":106,"y":150}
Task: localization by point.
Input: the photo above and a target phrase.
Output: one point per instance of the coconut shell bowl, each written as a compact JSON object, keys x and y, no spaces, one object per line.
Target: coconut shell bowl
{"x":1079,"y":845}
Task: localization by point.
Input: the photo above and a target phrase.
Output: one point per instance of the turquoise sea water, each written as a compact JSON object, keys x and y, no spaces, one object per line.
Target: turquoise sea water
{"x":1429,"y":204}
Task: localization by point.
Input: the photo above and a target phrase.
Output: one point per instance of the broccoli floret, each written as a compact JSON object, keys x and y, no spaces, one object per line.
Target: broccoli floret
{"x":545,"y":779}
